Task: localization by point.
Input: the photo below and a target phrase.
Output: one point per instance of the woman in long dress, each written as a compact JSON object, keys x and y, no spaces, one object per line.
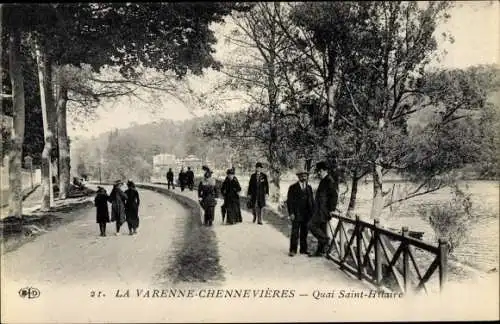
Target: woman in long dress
{"x":207,"y":194}
{"x":132,"y":207}
{"x":102,"y":212}
{"x":230,"y":190}
{"x":118,"y":198}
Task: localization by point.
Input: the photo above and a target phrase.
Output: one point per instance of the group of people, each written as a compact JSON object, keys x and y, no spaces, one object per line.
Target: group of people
{"x":124,"y":207}
{"x":307,"y":212}
{"x":185,"y":179}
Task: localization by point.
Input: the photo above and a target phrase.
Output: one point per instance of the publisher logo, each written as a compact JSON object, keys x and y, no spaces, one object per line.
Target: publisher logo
{"x":29,"y":292}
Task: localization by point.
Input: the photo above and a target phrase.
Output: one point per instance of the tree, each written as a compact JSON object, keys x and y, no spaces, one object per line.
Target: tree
{"x":263,"y":76}
{"x":16,"y":65}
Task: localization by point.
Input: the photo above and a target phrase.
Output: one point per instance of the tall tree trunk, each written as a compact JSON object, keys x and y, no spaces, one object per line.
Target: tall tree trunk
{"x":63,"y":141}
{"x":16,"y":62}
{"x":45,"y":99}
{"x":354,"y":193}
{"x":378,"y":194}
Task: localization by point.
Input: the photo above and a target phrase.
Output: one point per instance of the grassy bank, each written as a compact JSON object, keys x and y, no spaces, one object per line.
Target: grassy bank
{"x":196,"y":257}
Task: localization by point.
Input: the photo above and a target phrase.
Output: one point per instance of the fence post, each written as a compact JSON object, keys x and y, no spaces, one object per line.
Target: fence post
{"x":341,"y":242}
{"x":378,"y":253}
{"x":443,"y":262}
{"x":406,"y":259}
{"x":359,"y":241}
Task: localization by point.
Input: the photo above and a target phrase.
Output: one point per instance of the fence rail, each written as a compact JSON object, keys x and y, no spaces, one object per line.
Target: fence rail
{"x":372,"y":253}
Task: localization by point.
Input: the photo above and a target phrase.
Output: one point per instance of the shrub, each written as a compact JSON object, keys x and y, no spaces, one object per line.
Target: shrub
{"x":452,"y":220}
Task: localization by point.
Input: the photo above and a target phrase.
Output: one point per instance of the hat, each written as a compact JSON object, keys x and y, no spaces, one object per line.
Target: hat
{"x":205,"y":168}
{"x":301,"y":171}
{"x":118,"y":182}
{"x":130,"y":183}
{"x":321,"y":166}
{"x":258,"y":165}
{"x":230,"y":171}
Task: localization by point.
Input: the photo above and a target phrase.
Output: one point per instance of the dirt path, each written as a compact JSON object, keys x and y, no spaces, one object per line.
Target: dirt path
{"x":76,"y":254}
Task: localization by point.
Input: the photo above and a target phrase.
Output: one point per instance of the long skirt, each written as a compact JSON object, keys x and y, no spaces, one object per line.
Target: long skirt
{"x":132,"y":217}
{"x":208,"y":215}
{"x":233,"y":212}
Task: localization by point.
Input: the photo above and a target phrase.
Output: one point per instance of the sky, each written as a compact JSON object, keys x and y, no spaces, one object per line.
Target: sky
{"x":474,"y":26}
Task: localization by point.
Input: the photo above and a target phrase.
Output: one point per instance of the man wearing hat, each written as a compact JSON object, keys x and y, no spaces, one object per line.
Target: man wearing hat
{"x":300,"y":204}
{"x":325,"y":204}
{"x":258,"y":189}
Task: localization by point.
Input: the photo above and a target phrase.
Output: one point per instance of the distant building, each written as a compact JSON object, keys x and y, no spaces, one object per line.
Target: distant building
{"x":190,"y":161}
{"x":161,"y":164}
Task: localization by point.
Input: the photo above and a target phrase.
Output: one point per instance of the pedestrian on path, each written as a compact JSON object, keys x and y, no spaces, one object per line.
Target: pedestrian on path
{"x":132,"y":207}
{"x":102,"y":212}
{"x":170,"y":179}
{"x":207,"y":194}
{"x":300,"y":204}
{"x":258,"y":190}
{"x":117,"y":198}
{"x":182,"y":179}
{"x":230,"y":190}
{"x":325,"y":204}
{"x":190,"y":178}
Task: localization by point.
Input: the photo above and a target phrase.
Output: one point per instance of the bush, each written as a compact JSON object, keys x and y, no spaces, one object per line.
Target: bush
{"x":451,"y":221}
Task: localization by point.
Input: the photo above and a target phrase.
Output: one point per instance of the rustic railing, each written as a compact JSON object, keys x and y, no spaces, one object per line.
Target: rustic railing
{"x":372,"y":253}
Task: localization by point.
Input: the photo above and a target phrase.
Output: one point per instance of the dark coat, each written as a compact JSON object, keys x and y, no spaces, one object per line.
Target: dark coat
{"x":132,"y":207}
{"x":258,"y":189}
{"x":101,"y":204}
{"x":189,"y":177}
{"x":182,"y":178}
{"x":207,"y":191}
{"x":170,"y":176}
{"x":230,"y":190}
{"x":300,"y":202}
{"x":117,"y":198}
{"x":326,"y":199}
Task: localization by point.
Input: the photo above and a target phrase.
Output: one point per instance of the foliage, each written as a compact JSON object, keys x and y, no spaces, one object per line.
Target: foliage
{"x":451,"y":221}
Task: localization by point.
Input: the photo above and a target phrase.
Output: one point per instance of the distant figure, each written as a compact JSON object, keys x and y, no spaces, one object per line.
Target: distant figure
{"x":325,"y":204}
{"x":258,"y":189}
{"x":170,"y":179}
{"x":117,"y":198}
{"x":132,"y":207}
{"x":190,"y":178}
{"x":207,"y":194}
{"x":182,"y":179}
{"x":230,"y":190}
{"x":300,"y":203}
{"x":102,"y":212}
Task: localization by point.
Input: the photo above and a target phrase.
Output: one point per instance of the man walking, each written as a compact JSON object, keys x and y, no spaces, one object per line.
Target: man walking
{"x":190,"y":178}
{"x":182,"y":179}
{"x":258,"y":189}
{"x":170,"y":179}
{"x":300,"y":203}
{"x":324,"y":205}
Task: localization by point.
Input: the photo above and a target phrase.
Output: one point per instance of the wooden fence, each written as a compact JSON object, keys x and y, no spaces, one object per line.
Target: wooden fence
{"x":385,"y":258}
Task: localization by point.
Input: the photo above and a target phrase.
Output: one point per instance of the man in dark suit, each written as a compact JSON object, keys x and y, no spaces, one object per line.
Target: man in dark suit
{"x":300,"y":203}
{"x":258,"y":190}
{"x":170,"y":178}
{"x":190,"y":178}
{"x":325,"y":204}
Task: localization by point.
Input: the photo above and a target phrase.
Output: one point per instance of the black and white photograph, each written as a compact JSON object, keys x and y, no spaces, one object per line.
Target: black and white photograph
{"x":242,"y":162}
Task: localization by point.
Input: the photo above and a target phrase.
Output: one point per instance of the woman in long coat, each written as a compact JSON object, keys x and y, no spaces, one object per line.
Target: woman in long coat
{"x":207,"y":194}
{"x":118,"y":198}
{"x":230,"y":190}
{"x":132,"y":207}
{"x":102,"y":212}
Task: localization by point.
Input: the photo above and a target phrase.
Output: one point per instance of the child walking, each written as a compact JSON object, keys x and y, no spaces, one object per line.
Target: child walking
{"x":102,"y":212}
